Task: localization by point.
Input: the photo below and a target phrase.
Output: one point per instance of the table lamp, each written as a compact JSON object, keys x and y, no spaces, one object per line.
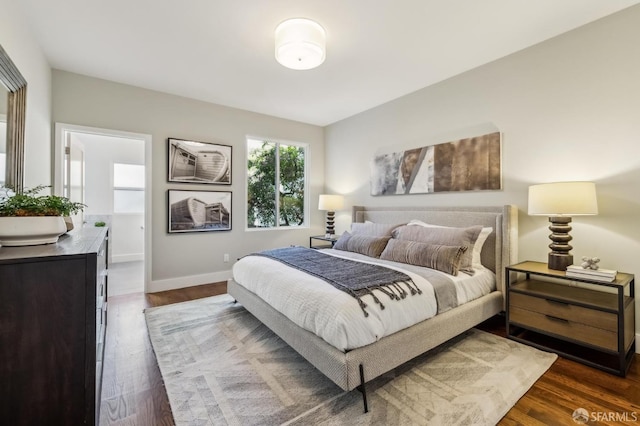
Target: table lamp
{"x":330,"y":203}
{"x":560,"y":201}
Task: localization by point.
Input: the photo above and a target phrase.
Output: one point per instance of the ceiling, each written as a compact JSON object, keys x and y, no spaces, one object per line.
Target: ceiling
{"x":222,"y":51}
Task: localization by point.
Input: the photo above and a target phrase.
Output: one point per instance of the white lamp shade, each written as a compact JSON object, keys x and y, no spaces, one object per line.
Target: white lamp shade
{"x":300,"y":44}
{"x":330,"y":202}
{"x":563,"y":199}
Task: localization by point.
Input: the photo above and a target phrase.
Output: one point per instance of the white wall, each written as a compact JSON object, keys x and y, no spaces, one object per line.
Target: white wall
{"x":24,"y":51}
{"x":100,"y":152}
{"x":180,"y":260}
{"x":568,"y":108}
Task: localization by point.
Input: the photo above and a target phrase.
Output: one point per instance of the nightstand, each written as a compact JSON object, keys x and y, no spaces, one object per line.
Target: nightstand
{"x":325,"y":239}
{"x":589,"y":321}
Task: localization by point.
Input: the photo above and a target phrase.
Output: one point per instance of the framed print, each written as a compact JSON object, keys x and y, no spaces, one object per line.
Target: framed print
{"x":199,"y":162}
{"x":199,"y":211}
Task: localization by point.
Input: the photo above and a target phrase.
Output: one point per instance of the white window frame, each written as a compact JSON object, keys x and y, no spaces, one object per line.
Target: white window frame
{"x":307,"y":155}
{"x":115,"y":188}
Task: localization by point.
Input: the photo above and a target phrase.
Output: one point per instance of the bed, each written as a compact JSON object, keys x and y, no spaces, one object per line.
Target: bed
{"x":351,"y":368}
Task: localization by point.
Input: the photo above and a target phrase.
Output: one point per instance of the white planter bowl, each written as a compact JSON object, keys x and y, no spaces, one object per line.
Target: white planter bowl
{"x":30,"y":230}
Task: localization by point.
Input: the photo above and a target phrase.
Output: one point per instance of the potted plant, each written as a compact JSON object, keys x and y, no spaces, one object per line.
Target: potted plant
{"x":30,"y":219}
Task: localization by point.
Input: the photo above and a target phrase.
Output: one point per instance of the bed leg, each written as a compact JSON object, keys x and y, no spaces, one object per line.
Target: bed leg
{"x":362,"y":389}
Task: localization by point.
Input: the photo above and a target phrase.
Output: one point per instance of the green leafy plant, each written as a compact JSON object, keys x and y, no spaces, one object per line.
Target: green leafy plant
{"x":28,"y":203}
{"x":100,"y":224}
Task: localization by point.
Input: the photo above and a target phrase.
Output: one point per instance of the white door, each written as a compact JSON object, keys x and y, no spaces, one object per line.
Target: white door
{"x":128,"y":237}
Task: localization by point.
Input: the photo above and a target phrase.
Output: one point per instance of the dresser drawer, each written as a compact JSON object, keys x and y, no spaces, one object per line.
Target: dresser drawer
{"x":102,"y":256}
{"x":101,"y":290}
{"x":101,"y":277}
{"x":562,"y":327}
{"x":591,"y":317}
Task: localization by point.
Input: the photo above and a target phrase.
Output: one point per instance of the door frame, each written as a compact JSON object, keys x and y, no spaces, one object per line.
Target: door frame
{"x":3,"y":119}
{"x":61,"y":129}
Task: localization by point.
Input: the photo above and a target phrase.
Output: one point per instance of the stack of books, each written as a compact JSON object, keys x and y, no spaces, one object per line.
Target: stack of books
{"x":577,"y":271}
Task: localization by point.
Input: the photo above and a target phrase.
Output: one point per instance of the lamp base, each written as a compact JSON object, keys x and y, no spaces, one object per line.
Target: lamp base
{"x":560,"y":261}
{"x":560,"y":258}
{"x":330,"y":228}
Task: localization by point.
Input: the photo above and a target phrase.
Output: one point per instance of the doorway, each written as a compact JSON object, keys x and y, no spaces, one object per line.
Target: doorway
{"x":107,"y":170}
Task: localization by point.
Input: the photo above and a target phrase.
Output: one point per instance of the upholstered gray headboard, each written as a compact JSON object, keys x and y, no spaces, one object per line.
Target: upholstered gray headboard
{"x":501,"y":247}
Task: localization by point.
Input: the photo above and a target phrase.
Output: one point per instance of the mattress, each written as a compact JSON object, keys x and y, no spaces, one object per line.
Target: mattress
{"x":334,"y":315}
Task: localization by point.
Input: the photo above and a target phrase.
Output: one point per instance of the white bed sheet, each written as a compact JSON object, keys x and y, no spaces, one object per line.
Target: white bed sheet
{"x":335,"y":316}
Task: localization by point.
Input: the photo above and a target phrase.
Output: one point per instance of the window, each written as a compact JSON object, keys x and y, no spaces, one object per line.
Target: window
{"x":128,"y":188}
{"x":276,"y":184}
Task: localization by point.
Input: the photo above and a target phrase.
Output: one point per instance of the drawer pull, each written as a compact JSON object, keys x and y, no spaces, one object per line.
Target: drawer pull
{"x":555,"y":302}
{"x":557,"y":319}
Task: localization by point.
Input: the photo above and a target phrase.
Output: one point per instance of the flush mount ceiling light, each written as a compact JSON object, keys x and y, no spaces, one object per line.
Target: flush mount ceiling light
{"x":300,"y":44}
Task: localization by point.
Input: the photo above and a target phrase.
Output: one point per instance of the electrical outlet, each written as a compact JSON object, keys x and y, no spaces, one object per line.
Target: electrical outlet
{"x":226,"y":257}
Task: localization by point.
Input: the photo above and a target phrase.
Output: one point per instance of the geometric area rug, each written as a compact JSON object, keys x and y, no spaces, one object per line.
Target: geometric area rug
{"x":221,"y":366}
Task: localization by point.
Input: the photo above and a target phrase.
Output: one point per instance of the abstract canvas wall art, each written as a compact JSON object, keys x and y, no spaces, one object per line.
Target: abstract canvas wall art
{"x":471,"y":164}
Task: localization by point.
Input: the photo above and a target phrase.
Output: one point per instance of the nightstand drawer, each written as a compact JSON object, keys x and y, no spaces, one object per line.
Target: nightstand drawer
{"x":578,"y":314}
{"x":563,"y":327}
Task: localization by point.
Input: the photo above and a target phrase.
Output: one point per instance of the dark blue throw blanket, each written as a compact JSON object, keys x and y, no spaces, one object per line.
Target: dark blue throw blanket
{"x":355,"y":278}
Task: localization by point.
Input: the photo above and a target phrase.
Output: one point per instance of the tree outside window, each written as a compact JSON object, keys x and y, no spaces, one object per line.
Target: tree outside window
{"x":276,"y":184}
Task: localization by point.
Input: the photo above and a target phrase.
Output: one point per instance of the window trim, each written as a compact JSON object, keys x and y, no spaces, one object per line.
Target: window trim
{"x":306,"y":204}
{"x":115,"y":188}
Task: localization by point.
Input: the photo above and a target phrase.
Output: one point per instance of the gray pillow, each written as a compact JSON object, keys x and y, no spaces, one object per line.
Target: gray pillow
{"x":443,"y":258}
{"x":463,"y":237}
{"x":369,"y":246}
{"x":373,"y":229}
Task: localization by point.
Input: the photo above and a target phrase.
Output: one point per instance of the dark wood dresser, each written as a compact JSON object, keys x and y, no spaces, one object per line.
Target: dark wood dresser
{"x":53,"y":306}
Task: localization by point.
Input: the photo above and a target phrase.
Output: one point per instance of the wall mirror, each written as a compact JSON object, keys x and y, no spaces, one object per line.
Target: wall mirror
{"x":12,"y":113}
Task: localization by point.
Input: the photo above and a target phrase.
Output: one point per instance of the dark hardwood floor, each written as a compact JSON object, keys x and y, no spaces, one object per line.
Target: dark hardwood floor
{"x":133,"y":392}
{"x":132,"y":389}
{"x":569,"y":385}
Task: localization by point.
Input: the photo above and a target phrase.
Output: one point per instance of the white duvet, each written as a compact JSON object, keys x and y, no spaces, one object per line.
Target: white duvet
{"x":334,"y":315}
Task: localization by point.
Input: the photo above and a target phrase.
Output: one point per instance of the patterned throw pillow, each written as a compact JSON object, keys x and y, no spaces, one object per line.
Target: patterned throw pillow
{"x":369,"y":246}
{"x":443,"y":258}
{"x":459,"y":237}
{"x":476,"y":256}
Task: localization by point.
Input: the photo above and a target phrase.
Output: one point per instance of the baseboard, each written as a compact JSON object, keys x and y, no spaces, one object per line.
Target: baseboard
{"x":188,"y":281}
{"x":133,"y":257}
